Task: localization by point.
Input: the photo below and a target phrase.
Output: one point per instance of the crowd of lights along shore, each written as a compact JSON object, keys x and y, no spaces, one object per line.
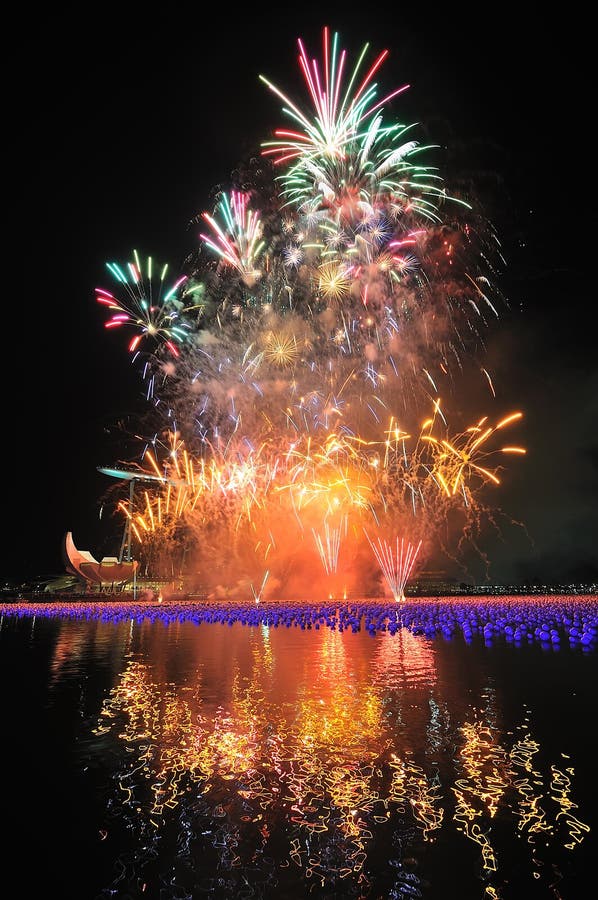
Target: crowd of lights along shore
{"x":302,"y":373}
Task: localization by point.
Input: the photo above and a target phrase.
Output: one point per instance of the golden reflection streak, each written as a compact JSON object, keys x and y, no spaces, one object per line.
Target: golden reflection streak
{"x":326,"y":762}
{"x":532,"y":817}
{"x":487,"y":771}
{"x":560,"y":786}
{"x":411,"y":787}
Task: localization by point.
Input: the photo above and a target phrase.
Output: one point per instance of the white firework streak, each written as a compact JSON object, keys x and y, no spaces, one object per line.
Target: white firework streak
{"x":257,"y":595}
{"x":396,"y":567}
{"x":329,"y":547}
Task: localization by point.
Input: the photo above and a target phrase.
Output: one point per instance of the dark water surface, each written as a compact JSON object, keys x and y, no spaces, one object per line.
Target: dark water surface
{"x":170,"y":760}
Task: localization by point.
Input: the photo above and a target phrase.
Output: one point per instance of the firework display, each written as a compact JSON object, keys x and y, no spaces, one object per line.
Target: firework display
{"x":337,"y":293}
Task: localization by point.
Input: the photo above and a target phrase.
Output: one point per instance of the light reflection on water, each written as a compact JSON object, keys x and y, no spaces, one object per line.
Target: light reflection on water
{"x":273,"y":762}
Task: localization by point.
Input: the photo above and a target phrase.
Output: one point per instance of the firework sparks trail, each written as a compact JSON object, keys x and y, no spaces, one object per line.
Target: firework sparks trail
{"x":396,"y":565}
{"x":257,"y":595}
{"x":328,"y":546}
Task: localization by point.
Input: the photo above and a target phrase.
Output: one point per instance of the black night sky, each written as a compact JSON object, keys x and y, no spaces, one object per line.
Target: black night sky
{"x":120,"y":129}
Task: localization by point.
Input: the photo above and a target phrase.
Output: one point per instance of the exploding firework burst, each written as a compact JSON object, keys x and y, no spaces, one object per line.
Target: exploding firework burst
{"x":343,"y":156}
{"x":154,"y":311}
{"x":333,"y":281}
{"x":281,"y":349}
{"x":237,"y":239}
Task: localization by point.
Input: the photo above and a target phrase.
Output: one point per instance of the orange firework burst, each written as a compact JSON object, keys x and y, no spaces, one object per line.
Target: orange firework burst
{"x":257,"y":504}
{"x":282,"y":349}
{"x":333,"y":281}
